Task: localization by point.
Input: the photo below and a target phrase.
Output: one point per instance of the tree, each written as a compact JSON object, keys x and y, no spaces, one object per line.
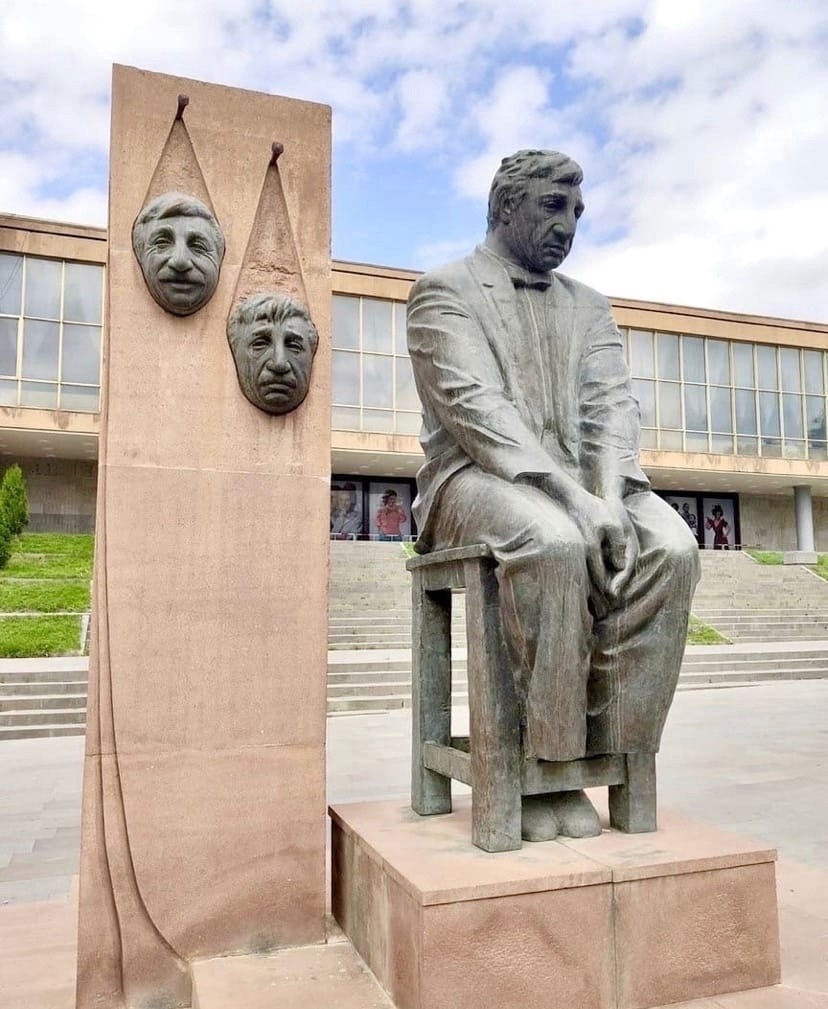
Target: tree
{"x":13,"y":500}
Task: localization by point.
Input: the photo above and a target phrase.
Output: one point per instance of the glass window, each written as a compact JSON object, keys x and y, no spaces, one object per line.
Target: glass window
{"x":812,"y":366}
{"x":408,"y":423}
{"x":43,"y":288}
{"x":789,"y":360}
{"x":11,"y":277}
{"x":376,"y":325}
{"x":8,"y":393}
{"x":644,"y":392}
{"x":79,"y":397}
{"x":649,"y":438}
{"x":747,"y":446}
{"x":642,"y":364}
{"x":669,"y":404}
{"x":695,"y":408}
{"x":745,"y":411}
{"x":718,"y":362}
{"x":769,"y":414}
{"x":743,"y":365}
{"x":792,"y":415}
{"x":695,"y":442}
{"x":794,"y":449}
{"x":720,"y":416}
{"x":378,"y":381}
{"x":407,"y":398}
{"x":668,"y":356}
{"x":670,"y":440}
{"x":692,"y":353}
{"x":8,"y":346}
{"x":400,"y":337}
{"x":378,"y":420}
{"x":38,"y":394}
{"x":40,"y":349}
{"x":766,"y":358}
{"x":722,"y":444}
{"x":81,"y":358}
{"x":345,"y":378}
{"x":82,"y":286}
{"x":345,"y":418}
{"x":345,"y":322}
{"x":815,"y":415}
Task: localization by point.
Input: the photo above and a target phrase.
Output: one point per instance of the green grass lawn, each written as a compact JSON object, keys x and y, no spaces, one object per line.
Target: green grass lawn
{"x":766,"y":556}
{"x":23,"y":637}
{"x":699,"y":633}
{"x":46,"y":573}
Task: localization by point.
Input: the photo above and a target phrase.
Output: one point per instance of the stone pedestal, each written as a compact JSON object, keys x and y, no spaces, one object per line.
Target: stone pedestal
{"x":203,"y":808}
{"x":613,"y":922}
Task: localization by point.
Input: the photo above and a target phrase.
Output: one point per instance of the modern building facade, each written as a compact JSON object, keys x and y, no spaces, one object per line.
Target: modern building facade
{"x":733,"y":406}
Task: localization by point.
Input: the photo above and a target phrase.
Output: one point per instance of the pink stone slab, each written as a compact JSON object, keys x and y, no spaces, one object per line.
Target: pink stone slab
{"x":395,"y":837}
{"x":616,"y":921}
{"x":316,"y":977}
{"x":678,"y":846}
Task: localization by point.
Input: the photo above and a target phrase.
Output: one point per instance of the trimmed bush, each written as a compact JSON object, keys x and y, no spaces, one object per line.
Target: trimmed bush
{"x":13,"y":500}
{"x":5,"y":537}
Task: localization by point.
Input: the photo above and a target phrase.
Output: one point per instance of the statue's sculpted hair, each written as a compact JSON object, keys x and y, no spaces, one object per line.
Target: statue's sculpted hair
{"x":173,"y":205}
{"x":511,"y":178}
{"x":270,"y":308}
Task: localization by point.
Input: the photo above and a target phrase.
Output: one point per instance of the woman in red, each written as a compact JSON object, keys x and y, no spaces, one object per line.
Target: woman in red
{"x":718,"y":523}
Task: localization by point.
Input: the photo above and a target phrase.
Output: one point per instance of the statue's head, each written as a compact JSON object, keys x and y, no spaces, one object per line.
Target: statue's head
{"x":179,"y":244}
{"x":273,"y":341}
{"x":534,"y":206}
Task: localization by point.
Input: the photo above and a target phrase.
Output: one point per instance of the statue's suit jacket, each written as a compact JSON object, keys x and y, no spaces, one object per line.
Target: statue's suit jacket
{"x":470,"y":352}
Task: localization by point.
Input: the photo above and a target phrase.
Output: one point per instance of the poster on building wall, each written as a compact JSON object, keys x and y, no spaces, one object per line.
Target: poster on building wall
{"x":389,"y":506}
{"x":719,"y":523}
{"x":346,"y":509}
{"x":688,"y":509}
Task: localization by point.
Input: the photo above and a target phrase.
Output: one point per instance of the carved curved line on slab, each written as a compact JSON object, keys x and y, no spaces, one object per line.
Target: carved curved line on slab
{"x":111,"y":809}
{"x":119,"y":811}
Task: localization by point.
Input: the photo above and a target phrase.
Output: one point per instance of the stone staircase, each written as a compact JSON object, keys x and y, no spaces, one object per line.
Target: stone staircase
{"x":747,"y":601}
{"x":770,"y":613}
{"x":43,"y":697}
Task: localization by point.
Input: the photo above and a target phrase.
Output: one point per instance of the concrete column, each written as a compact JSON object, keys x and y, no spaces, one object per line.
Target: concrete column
{"x":805,"y":552}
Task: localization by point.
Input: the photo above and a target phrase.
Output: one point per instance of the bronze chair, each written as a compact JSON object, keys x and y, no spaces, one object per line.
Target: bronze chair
{"x":491,"y":758}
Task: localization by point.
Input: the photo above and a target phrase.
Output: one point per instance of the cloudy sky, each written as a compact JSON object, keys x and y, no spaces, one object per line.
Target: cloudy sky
{"x":702,"y":126}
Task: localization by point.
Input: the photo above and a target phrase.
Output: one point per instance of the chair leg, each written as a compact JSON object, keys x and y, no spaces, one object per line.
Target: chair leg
{"x":632,"y":806}
{"x":430,"y":694}
{"x":494,"y":718}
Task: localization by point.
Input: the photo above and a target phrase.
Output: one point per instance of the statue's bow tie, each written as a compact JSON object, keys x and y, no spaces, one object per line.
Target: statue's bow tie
{"x":536,"y":283}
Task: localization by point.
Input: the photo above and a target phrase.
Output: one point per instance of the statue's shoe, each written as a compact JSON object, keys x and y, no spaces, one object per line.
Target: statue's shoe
{"x":538,"y":821}
{"x":575,"y":814}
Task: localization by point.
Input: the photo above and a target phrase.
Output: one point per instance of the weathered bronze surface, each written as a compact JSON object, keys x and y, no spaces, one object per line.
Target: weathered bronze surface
{"x":180,"y":246}
{"x":531,"y":437}
{"x":273,"y":341}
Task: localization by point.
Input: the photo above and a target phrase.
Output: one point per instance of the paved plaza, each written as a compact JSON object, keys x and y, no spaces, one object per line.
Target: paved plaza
{"x":753,"y":760}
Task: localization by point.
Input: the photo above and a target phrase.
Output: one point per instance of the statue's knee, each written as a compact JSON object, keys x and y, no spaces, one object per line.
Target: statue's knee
{"x":562,"y":552}
{"x":681,"y":556}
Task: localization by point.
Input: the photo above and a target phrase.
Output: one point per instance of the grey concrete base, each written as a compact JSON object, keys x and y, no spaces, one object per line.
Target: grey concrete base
{"x":800,"y":557}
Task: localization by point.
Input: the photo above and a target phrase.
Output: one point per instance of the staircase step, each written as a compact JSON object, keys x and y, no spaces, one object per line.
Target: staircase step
{"x":18,"y":702}
{"x":36,"y":716}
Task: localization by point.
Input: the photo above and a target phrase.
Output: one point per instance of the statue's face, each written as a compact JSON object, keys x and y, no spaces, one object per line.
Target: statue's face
{"x":180,"y":262}
{"x":274,"y":361}
{"x":541,"y":228}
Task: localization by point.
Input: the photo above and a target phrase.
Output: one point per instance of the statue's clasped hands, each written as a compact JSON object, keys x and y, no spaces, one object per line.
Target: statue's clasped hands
{"x":610,"y":540}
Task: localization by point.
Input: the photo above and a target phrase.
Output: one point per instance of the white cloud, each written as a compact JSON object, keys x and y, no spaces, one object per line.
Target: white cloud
{"x":701,"y":126}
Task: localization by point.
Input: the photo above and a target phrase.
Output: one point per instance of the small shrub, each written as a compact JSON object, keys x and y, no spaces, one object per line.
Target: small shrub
{"x":13,"y":500}
{"x":5,"y":537}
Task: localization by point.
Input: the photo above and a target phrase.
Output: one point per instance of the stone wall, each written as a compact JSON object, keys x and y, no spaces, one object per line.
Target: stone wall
{"x":61,"y":493}
{"x":770,"y":524}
